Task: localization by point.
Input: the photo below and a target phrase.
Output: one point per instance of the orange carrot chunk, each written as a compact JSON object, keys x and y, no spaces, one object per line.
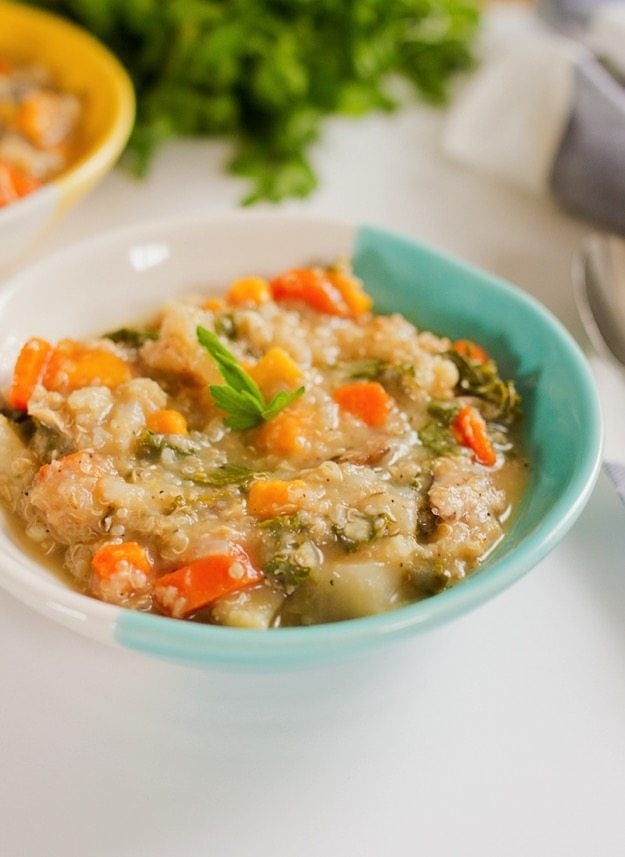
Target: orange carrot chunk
{"x":73,"y":365}
{"x":272,"y":497}
{"x":214,"y":304}
{"x":248,"y":290}
{"x":469,"y":430}
{"x":276,"y":370}
{"x":111,"y":559}
{"x":167,"y":421}
{"x":350,"y":287}
{"x":15,"y":183}
{"x":289,"y":434}
{"x":368,"y":401}
{"x":471,"y":350}
{"x":313,"y":287}
{"x":43,"y":121}
{"x":202,"y":581}
{"x":28,"y":370}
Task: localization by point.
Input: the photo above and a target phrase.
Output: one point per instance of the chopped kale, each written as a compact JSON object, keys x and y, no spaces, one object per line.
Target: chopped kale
{"x":131,"y":336}
{"x":291,"y":556}
{"x":360,"y":529}
{"x":150,"y":445}
{"x":376,"y":369}
{"x":45,"y":442}
{"x":427,"y":522}
{"x":434,"y":581}
{"x":437,"y":438}
{"x":226,"y":474}
{"x":225,"y":326}
{"x":288,"y":572}
{"x":482,"y":380}
{"x":443,"y":411}
{"x":283,"y":524}
{"x":368,"y":368}
{"x":24,"y":423}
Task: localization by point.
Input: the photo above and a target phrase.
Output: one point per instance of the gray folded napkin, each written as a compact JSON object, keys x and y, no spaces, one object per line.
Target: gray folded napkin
{"x":546,"y":110}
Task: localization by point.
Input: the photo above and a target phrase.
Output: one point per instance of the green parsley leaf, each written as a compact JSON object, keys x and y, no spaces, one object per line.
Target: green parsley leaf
{"x":241,"y":398}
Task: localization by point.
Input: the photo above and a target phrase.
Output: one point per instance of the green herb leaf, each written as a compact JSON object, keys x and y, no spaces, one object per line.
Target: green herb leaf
{"x":280,"y":401}
{"x":242,"y":398}
{"x":233,"y":374}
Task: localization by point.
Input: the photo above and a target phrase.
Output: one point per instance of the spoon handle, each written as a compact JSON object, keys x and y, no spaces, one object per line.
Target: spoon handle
{"x":616,"y":472}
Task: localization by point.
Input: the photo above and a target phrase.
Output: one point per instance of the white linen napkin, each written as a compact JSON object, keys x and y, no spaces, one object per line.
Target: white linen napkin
{"x":547,"y":112}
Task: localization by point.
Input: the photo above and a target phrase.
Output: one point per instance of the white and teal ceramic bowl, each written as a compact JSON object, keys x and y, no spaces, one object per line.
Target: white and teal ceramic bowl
{"x":104,"y":282}
{"x":79,"y":64}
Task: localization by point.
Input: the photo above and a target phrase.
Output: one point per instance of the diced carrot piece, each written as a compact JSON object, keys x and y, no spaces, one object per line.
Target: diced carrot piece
{"x":29,"y":368}
{"x":287,"y":435}
{"x":276,"y":370}
{"x":76,"y":465}
{"x":368,"y":401}
{"x":214,"y":304}
{"x":350,"y":287}
{"x":111,"y":559}
{"x":8,"y":194}
{"x":202,"y":581}
{"x":248,"y":290}
{"x":24,"y":183}
{"x":313,"y":287}
{"x":41,"y":121}
{"x":471,"y":350}
{"x":5,"y":65}
{"x":73,"y":365}
{"x":272,"y":497}
{"x":15,"y":183}
{"x":469,"y":429}
{"x":166,"y":421}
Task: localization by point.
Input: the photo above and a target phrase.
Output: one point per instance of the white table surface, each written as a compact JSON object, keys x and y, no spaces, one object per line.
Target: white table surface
{"x":501,"y":735}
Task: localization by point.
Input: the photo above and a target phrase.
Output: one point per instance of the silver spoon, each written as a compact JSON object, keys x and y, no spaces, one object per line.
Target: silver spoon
{"x":599,"y":284}
{"x":599,"y":288}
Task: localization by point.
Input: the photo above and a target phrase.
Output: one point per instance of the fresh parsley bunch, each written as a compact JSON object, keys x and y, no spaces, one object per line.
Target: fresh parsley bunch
{"x":268,"y":71}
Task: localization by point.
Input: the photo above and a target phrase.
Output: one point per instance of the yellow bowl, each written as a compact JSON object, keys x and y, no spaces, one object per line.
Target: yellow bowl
{"x":79,"y":64}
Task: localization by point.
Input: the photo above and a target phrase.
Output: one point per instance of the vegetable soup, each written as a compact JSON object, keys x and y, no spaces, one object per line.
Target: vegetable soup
{"x":38,"y":127}
{"x":278,"y":456}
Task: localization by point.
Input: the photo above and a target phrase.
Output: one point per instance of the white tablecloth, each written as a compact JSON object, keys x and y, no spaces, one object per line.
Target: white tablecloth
{"x":501,"y":735}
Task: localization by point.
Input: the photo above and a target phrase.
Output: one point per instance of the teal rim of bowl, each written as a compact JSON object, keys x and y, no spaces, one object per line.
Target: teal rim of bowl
{"x":394,"y":268}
